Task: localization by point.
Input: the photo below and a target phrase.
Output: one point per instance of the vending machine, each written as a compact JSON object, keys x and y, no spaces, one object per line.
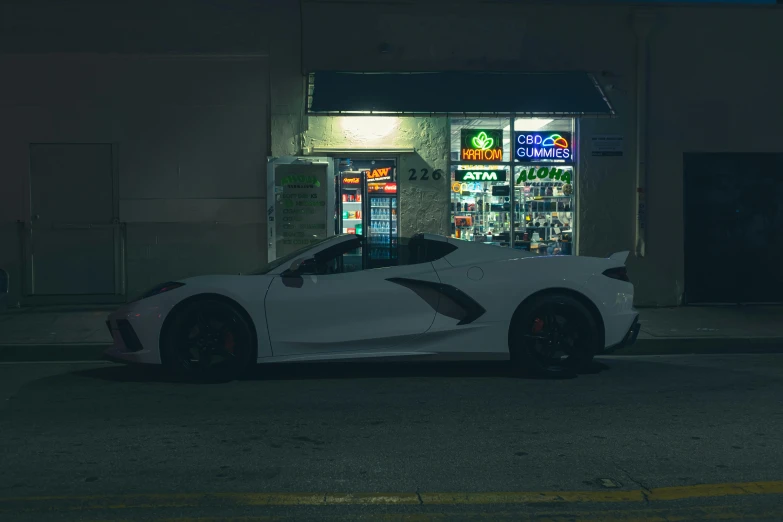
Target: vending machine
{"x":349,"y":218}
{"x":382,"y":224}
{"x":367,"y":205}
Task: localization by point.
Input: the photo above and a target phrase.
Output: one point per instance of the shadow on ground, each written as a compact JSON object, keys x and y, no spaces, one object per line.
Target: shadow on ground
{"x":331,"y":370}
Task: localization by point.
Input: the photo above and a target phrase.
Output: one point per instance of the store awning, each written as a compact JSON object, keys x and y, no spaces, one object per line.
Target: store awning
{"x":456,"y":93}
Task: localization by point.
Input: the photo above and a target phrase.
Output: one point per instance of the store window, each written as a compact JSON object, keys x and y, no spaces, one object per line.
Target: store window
{"x":512,"y":183}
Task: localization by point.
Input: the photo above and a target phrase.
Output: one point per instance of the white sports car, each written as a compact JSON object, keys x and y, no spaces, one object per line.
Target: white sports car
{"x":548,"y":314}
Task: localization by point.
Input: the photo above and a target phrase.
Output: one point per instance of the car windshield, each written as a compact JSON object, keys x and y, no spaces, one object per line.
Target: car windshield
{"x":288,"y":257}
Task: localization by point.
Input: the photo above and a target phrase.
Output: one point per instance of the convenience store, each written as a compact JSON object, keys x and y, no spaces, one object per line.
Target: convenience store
{"x":502,"y":166}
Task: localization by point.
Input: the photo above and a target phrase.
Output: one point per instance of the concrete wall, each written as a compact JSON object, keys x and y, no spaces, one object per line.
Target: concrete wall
{"x":192,"y":139}
{"x":713,"y":79}
{"x":423,"y":204}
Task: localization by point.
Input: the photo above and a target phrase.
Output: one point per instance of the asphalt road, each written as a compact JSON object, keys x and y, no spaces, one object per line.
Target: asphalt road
{"x":642,"y":438}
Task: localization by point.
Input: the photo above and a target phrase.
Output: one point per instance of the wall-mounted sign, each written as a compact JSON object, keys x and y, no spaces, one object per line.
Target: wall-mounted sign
{"x":554,"y":173}
{"x":351,"y":180}
{"x":543,"y":146}
{"x":480,"y":175}
{"x":300,"y":206}
{"x":383,"y":173}
{"x":607,"y":145}
{"x":481,"y":145}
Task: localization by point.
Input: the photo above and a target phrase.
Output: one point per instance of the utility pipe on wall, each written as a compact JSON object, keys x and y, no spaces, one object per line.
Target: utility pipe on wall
{"x":642,"y":24}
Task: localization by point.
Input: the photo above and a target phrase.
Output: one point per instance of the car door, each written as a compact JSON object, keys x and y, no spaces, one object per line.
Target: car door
{"x":338,"y":310}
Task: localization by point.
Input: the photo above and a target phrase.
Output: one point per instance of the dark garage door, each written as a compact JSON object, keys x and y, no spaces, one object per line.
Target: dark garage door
{"x":733,"y":228}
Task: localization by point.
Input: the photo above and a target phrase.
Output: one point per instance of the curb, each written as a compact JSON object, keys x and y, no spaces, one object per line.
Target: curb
{"x":703,"y":346}
{"x":65,"y":352}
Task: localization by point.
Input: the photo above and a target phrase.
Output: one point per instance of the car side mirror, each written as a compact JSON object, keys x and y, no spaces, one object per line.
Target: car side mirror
{"x":301,"y":265}
{"x":295,"y":266}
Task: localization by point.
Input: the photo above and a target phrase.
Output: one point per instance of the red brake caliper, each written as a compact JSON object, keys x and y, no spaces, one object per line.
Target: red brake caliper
{"x":228,"y":342}
{"x":538,"y":325}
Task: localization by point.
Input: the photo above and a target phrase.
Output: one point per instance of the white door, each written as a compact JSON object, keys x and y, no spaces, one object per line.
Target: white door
{"x":339,"y":310}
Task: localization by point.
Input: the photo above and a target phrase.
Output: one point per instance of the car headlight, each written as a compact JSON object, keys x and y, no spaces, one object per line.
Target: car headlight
{"x":159,"y":289}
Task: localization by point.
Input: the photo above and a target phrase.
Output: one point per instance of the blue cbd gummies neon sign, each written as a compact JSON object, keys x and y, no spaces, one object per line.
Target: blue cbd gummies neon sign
{"x":543,"y":146}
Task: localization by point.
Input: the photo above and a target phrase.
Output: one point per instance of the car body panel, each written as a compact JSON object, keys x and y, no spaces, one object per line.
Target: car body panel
{"x":355,"y":311}
{"x":458,"y":305}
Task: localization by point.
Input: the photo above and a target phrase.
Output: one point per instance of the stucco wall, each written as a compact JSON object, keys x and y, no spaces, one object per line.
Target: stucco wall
{"x":713,"y":78}
{"x":191,"y":141}
{"x":423,"y":204}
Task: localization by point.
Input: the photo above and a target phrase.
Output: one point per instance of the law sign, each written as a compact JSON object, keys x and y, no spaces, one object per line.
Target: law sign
{"x":479,"y":175}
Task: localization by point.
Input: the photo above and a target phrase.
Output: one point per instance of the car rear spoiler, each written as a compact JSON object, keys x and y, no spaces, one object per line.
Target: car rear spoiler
{"x":620,"y":257}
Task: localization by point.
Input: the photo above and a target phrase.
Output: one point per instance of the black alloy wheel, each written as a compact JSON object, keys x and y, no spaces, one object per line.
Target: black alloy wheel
{"x":553,"y":336}
{"x":208,"y":340}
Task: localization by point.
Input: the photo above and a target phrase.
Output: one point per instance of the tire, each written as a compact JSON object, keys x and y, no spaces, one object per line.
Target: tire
{"x":553,"y":336}
{"x":209,"y":340}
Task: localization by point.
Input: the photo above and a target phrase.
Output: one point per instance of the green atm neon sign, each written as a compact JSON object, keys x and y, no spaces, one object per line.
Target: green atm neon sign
{"x":480,"y":175}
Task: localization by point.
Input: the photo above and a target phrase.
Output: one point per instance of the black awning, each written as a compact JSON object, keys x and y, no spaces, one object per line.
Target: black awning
{"x":443,"y":93}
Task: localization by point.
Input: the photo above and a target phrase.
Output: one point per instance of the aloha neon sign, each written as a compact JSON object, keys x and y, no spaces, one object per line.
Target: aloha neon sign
{"x":533,"y":174}
{"x":543,"y":146}
{"x":481,"y":145}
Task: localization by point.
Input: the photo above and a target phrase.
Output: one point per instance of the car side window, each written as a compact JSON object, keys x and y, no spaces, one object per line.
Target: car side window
{"x":416,"y":250}
{"x":342,"y":258}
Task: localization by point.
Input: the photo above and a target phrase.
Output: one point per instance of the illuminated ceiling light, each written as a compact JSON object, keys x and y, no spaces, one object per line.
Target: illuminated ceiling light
{"x":369,"y":127}
{"x":529,"y":124}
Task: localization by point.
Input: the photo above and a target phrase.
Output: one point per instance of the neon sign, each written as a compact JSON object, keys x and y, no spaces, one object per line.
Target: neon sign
{"x":543,"y":146}
{"x":382,"y":187}
{"x":481,"y":145}
{"x":351,"y":181}
{"x":562,"y":175}
{"x":379,"y":174}
{"x":480,"y":175}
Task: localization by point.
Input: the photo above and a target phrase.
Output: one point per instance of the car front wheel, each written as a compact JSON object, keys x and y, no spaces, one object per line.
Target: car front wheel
{"x":209,"y":339}
{"x":552,"y":336}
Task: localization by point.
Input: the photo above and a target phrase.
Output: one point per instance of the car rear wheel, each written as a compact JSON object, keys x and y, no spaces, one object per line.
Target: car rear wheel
{"x":552,"y":336}
{"x":209,"y":340}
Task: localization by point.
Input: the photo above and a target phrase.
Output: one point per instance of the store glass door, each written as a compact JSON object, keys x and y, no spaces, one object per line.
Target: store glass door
{"x":481,"y":204}
{"x":544,"y":213}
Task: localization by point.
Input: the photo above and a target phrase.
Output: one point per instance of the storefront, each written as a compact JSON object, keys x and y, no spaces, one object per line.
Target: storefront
{"x":512,"y":182}
{"x":487,"y":157}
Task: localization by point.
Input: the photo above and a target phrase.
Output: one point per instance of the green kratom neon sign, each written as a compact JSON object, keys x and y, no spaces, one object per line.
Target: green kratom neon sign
{"x":482,"y":142}
{"x":533,"y":174}
{"x":481,"y":145}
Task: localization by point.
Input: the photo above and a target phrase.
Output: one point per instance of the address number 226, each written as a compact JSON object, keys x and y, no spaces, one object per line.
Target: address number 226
{"x":424,"y":174}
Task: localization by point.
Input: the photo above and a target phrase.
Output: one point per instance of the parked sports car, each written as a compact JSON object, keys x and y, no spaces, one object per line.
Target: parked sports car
{"x":440,"y":297}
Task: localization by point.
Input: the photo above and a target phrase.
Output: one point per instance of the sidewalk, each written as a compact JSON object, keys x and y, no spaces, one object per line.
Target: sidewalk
{"x":80,"y":333}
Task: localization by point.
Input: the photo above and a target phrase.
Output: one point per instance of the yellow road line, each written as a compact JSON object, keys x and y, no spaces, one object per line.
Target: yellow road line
{"x":129,"y":501}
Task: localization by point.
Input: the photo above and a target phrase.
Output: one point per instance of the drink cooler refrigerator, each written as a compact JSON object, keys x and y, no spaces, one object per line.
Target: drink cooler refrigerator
{"x":377,"y":220}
